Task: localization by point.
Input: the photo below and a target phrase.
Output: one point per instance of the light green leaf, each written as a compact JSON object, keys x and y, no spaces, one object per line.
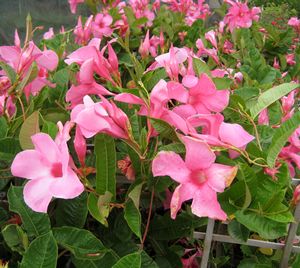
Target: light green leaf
{"x":82,"y":243}
{"x":105,"y":152}
{"x":99,"y":207}
{"x":200,"y":67}
{"x":9,"y":71}
{"x":34,"y":223}
{"x":133,"y":260}
{"x":29,"y":128}
{"x":42,"y":252}
{"x":270,"y":96}
{"x":281,"y":136}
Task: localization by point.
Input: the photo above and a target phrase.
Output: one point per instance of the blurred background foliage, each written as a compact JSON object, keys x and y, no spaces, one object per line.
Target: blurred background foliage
{"x":46,"y":13}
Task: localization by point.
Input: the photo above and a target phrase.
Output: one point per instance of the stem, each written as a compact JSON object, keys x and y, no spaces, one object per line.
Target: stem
{"x":62,"y":253}
{"x":148,"y":219}
{"x":22,"y":107}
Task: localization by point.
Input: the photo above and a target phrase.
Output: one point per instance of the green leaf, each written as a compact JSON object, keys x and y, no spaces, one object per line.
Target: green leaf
{"x":238,"y":231}
{"x":200,"y":67}
{"x":270,"y":96}
{"x":50,"y":128}
{"x":281,"y":136}
{"x":34,"y":223}
{"x":29,"y":128}
{"x":108,"y":260}
{"x":42,"y":252}
{"x":30,"y":75}
{"x":72,"y":212}
{"x":135,"y":194}
{"x":9,"y":71}
{"x":164,"y":129}
{"x":9,"y":147}
{"x":3,"y":127}
{"x":222,"y":83}
{"x":176,"y":147}
{"x":150,"y":79}
{"x":82,"y":243}
{"x":133,"y":217}
{"x":266,"y":228}
{"x":133,"y":260}
{"x":105,"y":152}
{"x":99,"y":207}
{"x":15,"y":238}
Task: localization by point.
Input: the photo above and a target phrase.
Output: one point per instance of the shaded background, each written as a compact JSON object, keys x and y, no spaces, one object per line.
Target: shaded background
{"x":47,"y":13}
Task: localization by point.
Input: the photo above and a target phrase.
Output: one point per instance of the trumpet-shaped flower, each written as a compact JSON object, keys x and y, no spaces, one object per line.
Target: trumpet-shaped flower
{"x":198,"y":176}
{"x":101,"y":117}
{"x":48,"y":171}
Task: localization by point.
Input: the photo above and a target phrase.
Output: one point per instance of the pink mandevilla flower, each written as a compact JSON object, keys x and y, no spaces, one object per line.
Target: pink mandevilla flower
{"x":198,"y":176}
{"x":240,"y":15}
{"x":48,"y":171}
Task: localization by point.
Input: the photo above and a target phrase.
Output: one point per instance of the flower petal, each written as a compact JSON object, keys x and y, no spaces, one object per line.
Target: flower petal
{"x":66,"y":187}
{"x":183,"y":192}
{"x":234,"y":134}
{"x":219,"y":176}
{"x":37,"y":195}
{"x":198,"y":154}
{"x":170,"y":164}
{"x":205,"y":204}
{"x":29,"y":164}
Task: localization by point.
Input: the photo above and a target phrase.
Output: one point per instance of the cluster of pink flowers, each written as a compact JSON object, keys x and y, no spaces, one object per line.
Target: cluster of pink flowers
{"x":240,"y":15}
{"x":192,"y":10}
{"x":21,"y":61}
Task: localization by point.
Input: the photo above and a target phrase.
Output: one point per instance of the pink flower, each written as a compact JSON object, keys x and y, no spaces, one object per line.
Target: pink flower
{"x":145,"y":46}
{"x":198,"y":176}
{"x":203,"y":97}
{"x":101,"y":25}
{"x":290,"y":59}
{"x":49,"y":34}
{"x":47,"y":169}
{"x":83,"y":34}
{"x":211,"y":37}
{"x":171,"y":61}
{"x":276,"y":64}
{"x":202,"y":51}
{"x":228,"y":47}
{"x":263,"y":118}
{"x":295,"y":23}
{"x":239,"y":15}
{"x":101,"y":117}
{"x":73,"y":5}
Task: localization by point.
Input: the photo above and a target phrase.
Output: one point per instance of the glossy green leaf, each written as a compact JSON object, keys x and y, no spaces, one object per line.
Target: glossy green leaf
{"x":164,"y":129}
{"x":265,"y":227}
{"x":238,"y":231}
{"x":105,"y":152}
{"x":133,"y":260}
{"x":29,"y":128}
{"x":42,"y":252}
{"x":281,"y":136}
{"x":82,"y":243}
{"x":132,"y":216}
{"x":270,"y":96}
{"x":72,"y":212}
{"x":34,"y":223}
{"x":3,"y":127}
{"x":15,"y":238}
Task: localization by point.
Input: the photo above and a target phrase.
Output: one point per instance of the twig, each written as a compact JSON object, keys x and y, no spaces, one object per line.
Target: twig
{"x":148,"y":219}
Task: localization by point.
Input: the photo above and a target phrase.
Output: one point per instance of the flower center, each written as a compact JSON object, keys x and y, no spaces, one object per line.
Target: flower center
{"x":56,"y":170}
{"x":199,"y":176}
